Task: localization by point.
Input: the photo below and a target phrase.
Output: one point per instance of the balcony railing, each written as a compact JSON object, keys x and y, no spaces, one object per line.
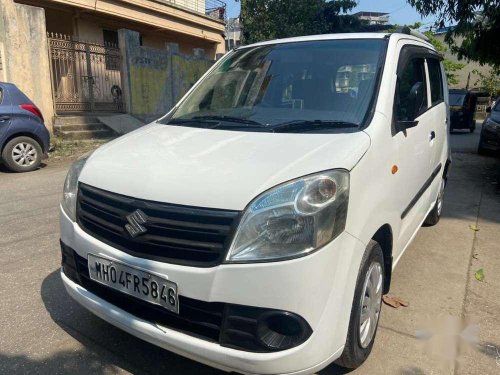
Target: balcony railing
{"x":215,"y":9}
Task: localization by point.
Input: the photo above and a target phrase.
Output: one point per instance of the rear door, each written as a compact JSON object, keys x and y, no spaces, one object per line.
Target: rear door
{"x":414,"y":144}
{"x":438,"y":120}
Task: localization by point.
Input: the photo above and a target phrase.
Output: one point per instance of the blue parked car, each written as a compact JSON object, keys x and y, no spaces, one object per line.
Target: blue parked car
{"x":24,"y":139}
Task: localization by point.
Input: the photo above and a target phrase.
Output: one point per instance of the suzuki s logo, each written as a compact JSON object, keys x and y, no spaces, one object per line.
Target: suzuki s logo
{"x":135,"y":223}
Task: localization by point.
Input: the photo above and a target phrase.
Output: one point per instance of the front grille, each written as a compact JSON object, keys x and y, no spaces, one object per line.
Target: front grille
{"x":176,"y":234}
{"x":230,"y":325}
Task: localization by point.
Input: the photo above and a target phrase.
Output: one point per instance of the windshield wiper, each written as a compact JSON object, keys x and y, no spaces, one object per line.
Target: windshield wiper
{"x":306,"y":125}
{"x":213,"y":121}
{"x":231,"y":119}
{"x":238,"y":120}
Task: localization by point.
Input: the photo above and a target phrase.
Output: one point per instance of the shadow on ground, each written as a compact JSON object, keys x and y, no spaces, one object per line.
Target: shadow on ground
{"x":104,"y":345}
{"x":3,"y":168}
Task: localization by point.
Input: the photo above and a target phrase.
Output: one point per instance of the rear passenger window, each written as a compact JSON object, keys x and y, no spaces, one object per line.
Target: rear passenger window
{"x":412,"y":75}
{"x":436,"y":81}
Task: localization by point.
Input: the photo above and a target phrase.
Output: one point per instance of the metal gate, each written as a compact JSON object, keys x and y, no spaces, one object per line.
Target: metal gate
{"x":85,"y":76}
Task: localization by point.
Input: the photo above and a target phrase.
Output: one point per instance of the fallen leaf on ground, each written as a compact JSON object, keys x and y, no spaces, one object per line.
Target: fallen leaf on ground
{"x":394,"y":301}
{"x":479,"y":275}
{"x":473,"y":227}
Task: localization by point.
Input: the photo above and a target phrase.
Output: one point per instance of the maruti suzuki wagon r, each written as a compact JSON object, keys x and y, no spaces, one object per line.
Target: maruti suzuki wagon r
{"x":255,"y":227}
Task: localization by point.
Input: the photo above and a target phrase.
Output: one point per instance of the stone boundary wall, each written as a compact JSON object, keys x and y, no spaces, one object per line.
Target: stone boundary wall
{"x":153,"y":79}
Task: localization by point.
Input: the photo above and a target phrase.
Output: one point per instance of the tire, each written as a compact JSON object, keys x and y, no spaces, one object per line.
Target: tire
{"x":434,"y":216}
{"x":359,"y":345}
{"x":481,"y":150}
{"x":472,"y":128}
{"x":22,"y":154}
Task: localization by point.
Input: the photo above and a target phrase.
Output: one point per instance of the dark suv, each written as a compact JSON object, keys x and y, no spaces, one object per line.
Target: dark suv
{"x":490,"y":131}
{"x":24,"y":139}
{"x":462,"y":109}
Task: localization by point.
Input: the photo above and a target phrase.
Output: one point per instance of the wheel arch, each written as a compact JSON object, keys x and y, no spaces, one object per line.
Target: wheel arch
{"x":23,"y":134}
{"x":446,"y":168}
{"x":384,"y":238}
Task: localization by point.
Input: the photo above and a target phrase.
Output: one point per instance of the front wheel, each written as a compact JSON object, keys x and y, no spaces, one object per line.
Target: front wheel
{"x":366,"y":306}
{"x":435,"y":214}
{"x":22,"y":154}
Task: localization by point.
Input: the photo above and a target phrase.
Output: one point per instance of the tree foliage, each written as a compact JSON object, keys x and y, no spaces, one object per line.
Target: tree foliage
{"x":272,"y":19}
{"x":475,"y":35}
{"x":490,"y":82}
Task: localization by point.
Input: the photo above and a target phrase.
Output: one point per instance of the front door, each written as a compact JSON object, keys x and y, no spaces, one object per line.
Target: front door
{"x":414,"y":146}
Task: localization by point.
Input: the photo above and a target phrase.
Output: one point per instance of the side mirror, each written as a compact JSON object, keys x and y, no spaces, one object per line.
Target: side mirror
{"x":415,"y":100}
{"x":488,"y":109}
{"x":403,"y":125}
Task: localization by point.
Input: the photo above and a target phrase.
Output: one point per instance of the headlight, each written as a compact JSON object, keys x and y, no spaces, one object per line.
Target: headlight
{"x":70,"y":190}
{"x":292,"y":219}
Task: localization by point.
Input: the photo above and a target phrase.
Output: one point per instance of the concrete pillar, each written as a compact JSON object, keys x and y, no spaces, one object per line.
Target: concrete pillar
{"x":128,"y":40}
{"x":24,"y":49}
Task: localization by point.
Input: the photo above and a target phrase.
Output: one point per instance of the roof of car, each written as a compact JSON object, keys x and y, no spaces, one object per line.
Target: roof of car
{"x":310,"y":38}
{"x":7,"y":84}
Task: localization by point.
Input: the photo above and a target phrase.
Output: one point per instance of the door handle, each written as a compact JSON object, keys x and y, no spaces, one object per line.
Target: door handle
{"x":433,"y":135}
{"x":4,"y":118}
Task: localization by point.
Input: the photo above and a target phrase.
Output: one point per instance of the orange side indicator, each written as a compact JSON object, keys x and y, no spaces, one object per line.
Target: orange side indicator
{"x":394,"y":169}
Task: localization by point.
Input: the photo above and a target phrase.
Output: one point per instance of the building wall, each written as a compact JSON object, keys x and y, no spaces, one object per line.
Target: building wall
{"x":23,"y":43}
{"x":165,"y":17}
{"x":470,"y":66}
{"x":90,"y":28}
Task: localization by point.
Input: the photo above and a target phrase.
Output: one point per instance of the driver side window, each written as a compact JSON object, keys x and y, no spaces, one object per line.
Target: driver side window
{"x":412,"y":79}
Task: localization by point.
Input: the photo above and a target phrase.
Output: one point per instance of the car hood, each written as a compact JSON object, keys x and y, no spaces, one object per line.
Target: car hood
{"x":495,"y":116}
{"x":214,"y":168}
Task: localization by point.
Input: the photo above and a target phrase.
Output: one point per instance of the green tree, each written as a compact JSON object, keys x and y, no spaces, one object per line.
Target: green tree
{"x":271,"y":19}
{"x":475,"y":35}
{"x":490,"y":82}
{"x":450,"y":67}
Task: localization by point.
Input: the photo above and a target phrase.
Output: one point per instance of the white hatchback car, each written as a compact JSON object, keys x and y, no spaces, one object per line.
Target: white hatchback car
{"x":255,"y":227}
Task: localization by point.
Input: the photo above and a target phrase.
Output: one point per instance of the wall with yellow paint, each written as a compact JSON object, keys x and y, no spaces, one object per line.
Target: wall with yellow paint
{"x":155,"y":79}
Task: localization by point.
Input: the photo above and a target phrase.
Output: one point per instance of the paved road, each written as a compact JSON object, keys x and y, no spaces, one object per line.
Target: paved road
{"x":42,"y":331}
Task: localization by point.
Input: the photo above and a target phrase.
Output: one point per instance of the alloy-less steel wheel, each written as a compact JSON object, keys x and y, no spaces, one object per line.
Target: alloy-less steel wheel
{"x":22,"y":154}
{"x":366,"y":306}
{"x":435,"y":214}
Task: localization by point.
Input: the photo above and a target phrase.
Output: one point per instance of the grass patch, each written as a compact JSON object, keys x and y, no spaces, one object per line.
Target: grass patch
{"x":71,"y":150}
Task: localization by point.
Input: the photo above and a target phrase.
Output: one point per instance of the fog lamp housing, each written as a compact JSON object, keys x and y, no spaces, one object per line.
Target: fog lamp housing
{"x":281,"y":330}
{"x":262,"y":330}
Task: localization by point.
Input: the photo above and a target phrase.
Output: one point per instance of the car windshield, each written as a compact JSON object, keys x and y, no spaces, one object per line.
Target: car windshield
{"x":315,"y":86}
{"x":457,"y":99}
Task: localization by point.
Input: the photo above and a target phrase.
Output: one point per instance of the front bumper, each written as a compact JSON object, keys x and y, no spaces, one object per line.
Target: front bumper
{"x":318,"y":287}
{"x":490,"y":139}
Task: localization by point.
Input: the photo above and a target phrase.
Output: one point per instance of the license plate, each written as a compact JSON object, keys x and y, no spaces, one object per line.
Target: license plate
{"x":135,"y":282}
